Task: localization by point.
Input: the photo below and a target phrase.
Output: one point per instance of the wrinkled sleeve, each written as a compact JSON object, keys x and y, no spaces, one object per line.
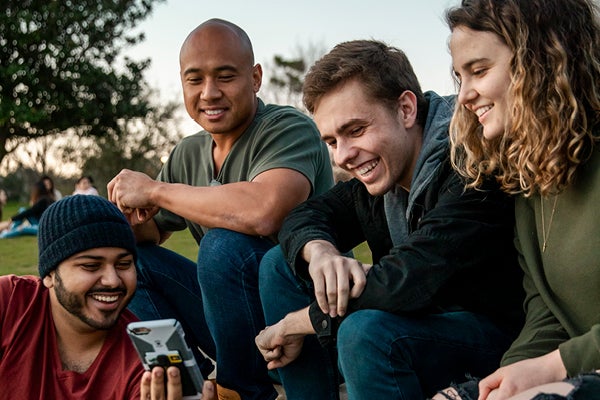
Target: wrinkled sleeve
{"x":460,"y":236}
{"x":457,"y":246}
{"x":331,"y":216}
{"x":290,"y":141}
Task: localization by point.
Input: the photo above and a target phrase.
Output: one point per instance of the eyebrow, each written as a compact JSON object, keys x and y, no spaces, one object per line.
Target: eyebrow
{"x":94,"y":257}
{"x":222,"y":68}
{"x":341,"y":130}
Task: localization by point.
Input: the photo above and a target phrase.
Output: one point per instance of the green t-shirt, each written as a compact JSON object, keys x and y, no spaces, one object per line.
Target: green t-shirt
{"x":279,"y":137}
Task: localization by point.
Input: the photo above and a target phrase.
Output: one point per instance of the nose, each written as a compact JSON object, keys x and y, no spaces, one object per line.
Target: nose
{"x":466,"y":93}
{"x":110,"y":277}
{"x":210,"y":90}
{"x":343,"y":153}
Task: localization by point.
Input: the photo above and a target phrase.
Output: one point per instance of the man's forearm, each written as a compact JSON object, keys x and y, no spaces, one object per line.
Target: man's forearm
{"x":297,"y":323}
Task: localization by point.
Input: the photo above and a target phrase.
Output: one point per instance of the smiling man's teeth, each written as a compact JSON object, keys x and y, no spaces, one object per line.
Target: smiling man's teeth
{"x":367,"y":168}
{"x":481,"y":110}
{"x":213,"y":112}
{"x":106,"y":299}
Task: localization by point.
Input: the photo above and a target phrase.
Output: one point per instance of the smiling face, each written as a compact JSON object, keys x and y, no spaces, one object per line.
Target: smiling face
{"x":92,"y":288}
{"x":219,"y":81}
{"x":481,"y":62}
{"x":374,"y":143}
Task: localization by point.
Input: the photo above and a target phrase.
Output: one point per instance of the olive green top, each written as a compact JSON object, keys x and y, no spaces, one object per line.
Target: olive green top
{"x":562,"y":283}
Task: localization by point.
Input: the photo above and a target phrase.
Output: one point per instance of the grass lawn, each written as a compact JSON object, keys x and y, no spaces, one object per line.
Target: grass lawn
{"x":19,"y":255}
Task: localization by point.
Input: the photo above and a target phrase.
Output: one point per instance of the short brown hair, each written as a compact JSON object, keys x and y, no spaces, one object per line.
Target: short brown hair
{"x":384,"y":71}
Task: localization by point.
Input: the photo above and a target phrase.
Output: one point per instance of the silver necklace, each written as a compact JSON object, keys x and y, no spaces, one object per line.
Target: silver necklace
{"x":544,"y":234}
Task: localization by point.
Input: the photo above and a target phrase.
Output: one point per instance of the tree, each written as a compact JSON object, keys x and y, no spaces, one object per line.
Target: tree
{"x":287,"y":75}
{"x":61,"y":69}
{"x":285,"y":86}
{"x":147,"y":141}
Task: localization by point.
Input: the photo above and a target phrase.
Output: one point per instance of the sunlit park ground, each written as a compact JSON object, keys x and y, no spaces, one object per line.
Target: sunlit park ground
{"x":19,"y":255}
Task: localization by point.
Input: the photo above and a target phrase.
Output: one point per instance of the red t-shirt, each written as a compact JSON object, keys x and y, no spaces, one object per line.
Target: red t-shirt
{"x":30,"y":366}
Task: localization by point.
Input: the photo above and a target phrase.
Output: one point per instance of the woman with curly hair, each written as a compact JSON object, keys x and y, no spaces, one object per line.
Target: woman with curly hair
{"x":528,"y":112}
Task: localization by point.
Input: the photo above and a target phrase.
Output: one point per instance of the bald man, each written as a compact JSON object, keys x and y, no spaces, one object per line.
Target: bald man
{"x":231,"y":184}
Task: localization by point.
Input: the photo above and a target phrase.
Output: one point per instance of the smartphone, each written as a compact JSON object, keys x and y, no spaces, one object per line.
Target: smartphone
{"x":161,"y":343}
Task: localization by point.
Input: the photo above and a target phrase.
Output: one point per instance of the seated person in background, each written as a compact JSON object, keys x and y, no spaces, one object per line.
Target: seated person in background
{"x":529,"y":75}
{"x":3,"y":201}
{"x":231,"y":185}
{"x":85,"y":185}
{"x":443,"y":296}
{"x":26,"y":221}
{"x":49,"y":183}
{"x":63,"y":335}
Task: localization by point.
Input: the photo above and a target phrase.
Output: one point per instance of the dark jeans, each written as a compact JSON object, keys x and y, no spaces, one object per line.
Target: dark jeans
{"x":167,"y":287}
{"x":313,"y":375}
{"x":380,"y":355}
{"x":217,"y":298}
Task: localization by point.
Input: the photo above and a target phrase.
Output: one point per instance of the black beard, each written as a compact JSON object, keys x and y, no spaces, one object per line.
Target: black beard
{"x":73,"y":305}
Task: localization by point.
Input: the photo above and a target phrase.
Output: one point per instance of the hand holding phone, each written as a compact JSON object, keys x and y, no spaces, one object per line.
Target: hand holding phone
{"x":161,"y":343}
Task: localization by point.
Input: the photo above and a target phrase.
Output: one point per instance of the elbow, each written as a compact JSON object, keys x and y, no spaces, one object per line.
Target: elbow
{"x":267,"y":227}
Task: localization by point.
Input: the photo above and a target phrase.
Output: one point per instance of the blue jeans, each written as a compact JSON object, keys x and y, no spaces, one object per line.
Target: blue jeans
{"x":380,"y":355}
{"x":388,"y":356}
{"x":19,"y":228}
{"x":217,"y":298}
{"x":228,"y":264}
{"x":167,"y":287}
{"x":313,"y":375}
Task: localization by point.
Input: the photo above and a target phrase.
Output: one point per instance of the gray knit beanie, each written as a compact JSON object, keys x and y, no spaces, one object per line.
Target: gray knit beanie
{"x":77,"y":223}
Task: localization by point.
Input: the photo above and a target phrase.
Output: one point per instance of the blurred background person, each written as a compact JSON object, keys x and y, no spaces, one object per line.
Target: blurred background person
{"x":3,"y":201}
{"x":49,"y":183}
{"x":85,"y":185}
{"x":25,"y":222}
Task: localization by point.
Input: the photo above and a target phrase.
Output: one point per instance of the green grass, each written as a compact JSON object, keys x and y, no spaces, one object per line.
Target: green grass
{"x":19,"y":255}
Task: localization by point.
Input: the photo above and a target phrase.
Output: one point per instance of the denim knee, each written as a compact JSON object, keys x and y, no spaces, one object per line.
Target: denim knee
{"x":275,"y":272}
{"x":221,"y":250}
{"x":356,"y":333}
{"x":271,"y":265}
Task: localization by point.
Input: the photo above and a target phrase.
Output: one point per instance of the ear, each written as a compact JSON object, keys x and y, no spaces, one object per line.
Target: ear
{"x":49,"y":280}
{"x":407,"y":109}
{"x":257,"y":77}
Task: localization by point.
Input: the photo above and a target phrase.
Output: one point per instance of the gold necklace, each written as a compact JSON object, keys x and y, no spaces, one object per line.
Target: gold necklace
{"x":544,"y":235}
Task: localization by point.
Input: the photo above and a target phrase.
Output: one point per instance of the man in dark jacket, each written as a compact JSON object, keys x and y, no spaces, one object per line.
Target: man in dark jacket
{"x":442,"y":296}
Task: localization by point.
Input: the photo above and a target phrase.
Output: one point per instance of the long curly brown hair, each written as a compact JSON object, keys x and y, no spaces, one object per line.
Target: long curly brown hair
{"x":554,"y":99}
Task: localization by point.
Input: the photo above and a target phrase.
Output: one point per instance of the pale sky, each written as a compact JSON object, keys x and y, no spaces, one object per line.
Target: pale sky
{"x":280,"y":27}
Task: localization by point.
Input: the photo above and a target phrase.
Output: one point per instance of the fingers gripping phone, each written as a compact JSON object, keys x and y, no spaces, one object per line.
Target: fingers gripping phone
{"x":161,"y":343}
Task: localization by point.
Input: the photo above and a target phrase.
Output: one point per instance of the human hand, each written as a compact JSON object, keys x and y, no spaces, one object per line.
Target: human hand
{"x":336,"y":278}
{"x":277,"y":347}
{"x":131,"y":191}
{"x":153,"y":386}
{"x":515,"y":378}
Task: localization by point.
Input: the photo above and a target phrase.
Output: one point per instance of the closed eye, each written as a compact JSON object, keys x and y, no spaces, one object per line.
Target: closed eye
{"x":124,"y":264}
{"x":331,"y":143}
{"x":357,"y":131}
{"x":94,"y":266}
{"x":479,"y":71}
